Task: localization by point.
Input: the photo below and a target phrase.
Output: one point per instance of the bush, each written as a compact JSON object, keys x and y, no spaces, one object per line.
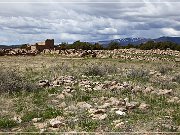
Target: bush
{"x":138,"y":73}
{"x":99,"y":70}
{"x":163,"y":69}
{"x":7,"y":123}
{"x":11,"y":80}
{"x":176,"y":78}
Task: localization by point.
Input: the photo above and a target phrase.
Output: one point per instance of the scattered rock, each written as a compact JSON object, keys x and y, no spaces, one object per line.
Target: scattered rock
{"x":17,"y":119}
{"x":104,"y":106}
{"x":143,"y":106}
{"x":62,"y":105}
{"x":148,"y":90}
{"x":40,"y":125}
{"x":119,"y":125}
{"x":44,"y":83}
{"x":136,"y":89}
{"x":83,"y":105}
{"x":173,"y":100}
{"x":131,"y":105}
{"x":165,"y":92}
{"x":61,"y":96}
{"x":99,"y":116}
{"x":120,"y":113}
{"x":56,"y":122}
{"x":36,"y":120}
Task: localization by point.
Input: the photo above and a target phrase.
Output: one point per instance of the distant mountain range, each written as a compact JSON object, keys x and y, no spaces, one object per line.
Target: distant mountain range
{"x":137,"y":41}
{"x":9,"y":46}
{"x":121,"y":41}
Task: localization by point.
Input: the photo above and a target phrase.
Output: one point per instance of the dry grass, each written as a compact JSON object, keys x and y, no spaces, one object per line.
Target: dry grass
{"x":43,"y":102}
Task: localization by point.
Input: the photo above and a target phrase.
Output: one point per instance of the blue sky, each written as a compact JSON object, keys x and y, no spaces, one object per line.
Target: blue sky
{"x":29,"y":21}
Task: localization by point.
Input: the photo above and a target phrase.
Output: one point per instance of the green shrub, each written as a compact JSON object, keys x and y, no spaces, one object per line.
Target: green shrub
{"x":164,"y":69}
{"x":176,"y":79}
{"x":137,"y":73}
{"x":99,"y":70}
{"x":11,"y":80}
{"x":7,"y":123}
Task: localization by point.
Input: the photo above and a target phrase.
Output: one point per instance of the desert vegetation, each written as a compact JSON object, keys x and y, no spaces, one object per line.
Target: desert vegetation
{"x":51,"y":93}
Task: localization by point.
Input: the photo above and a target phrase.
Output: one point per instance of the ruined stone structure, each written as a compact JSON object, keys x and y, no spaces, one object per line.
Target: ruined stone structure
{"x":48,"y":44}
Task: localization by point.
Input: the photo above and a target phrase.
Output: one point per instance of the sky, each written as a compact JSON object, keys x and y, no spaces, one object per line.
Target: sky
{"x":31,"y":21}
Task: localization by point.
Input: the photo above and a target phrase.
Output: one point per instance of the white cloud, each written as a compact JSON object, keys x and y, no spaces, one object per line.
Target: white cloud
{"x":108,"y":31}
{"x":28,"y":22}
{"x":170,"y":32}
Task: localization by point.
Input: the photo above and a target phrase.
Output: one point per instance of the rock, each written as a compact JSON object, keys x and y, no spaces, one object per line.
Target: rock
{"x":57,"y":83}
{"x":44,"y":83}
{"x":119,"y":125}
{"x":165,"y":92}
{"x":137,"y":89}
{"x":131,"y":105}
{"x":40,"y":125}
{"x":56,"y":122}
{"x":98,"y":87}
{"x":104,"y":106}
{"x":173,"y":100}
{"x":71,"y":108}
{"x":120,"y":113}
{"x":97,"y":111}
{"x":36,"y":120}
{"x":55,"y":101}
{"x":115,"y":101}
{"x":148,"y":90}
{"x":61,"y":96}
{"x":17,"y":119}
{"x":99,"y":116}
{"x":62,"y":105}
{"x":143,"y":106}
{"x":102,"y":117}
{"x":125,"y":84}
{"x":126,"y":100}
{"x":83,"y":105}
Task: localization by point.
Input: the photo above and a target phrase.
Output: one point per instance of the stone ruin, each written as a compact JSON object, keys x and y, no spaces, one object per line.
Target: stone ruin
{"x":30,"y":49}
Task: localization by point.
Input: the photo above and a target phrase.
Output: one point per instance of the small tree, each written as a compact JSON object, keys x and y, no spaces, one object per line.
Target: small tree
{"x":113,"y":45}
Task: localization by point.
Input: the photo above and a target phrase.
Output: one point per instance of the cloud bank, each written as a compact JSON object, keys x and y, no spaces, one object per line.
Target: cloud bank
{"x":26,"y":21}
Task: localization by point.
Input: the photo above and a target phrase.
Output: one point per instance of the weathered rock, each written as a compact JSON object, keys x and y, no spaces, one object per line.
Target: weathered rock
{"x":173,"y":100}
{"x":98,"y":87}
{"x":99,"y":116}
{"x":121,"y":113}
{"x":104,"y":106}
{"x":36,"y":120}
{"x":148,"y":90}
{"x":44,"y":83}
{"x":17,"y":119}
{"x":61,"y":96}
{"x":62,"y":105}
{"x":97,"y":111}
{"x":115,"y":101}
{"x":83,"y":105}
{"x":143,"y":106}
{"x":165,"y":92}
{"x":40,"y":125}
{"x":119,"y":125}
{"x":56,"y":122}
{"x":71,"y":108}
{"x":132,"y":105}
{"x":136,"y":89}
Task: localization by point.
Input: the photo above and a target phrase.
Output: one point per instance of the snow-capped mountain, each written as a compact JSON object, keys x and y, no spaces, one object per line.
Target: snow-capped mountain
{"x":137,"y":41}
